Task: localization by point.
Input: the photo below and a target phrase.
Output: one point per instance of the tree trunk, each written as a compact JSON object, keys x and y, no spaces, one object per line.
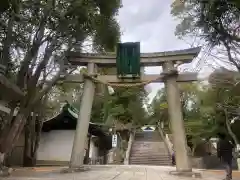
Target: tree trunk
{"x":39,"y":124}
{"x":32,"y":139}
{"x":230,"y":129}
{"x":6,"y":123}
{"x":27,"y":156}
{"x":27,"y":159}
{"x":13,"y":134}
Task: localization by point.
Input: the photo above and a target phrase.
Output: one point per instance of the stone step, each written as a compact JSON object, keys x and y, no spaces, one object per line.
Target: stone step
{"x":152,"y":160}
{"x":147,"y":136}
{"x":159,"y":163}
{"x":146,"y":147}
{"x":149,"y":154}
{"x":156,"y":145}
{"x":152,"y":151}
{"x":148,"y":143}
{"x":148,"y":139}
{"x":149,"y":149}
{"x":149,"y":146}
{"x":144,"y":140}
{"x":159,"y":156}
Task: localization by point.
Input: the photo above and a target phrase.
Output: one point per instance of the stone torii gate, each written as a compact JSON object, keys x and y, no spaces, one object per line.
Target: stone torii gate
{"x":169,"y":76}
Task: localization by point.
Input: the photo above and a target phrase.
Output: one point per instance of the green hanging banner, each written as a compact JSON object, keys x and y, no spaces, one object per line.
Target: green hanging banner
{"x":128,"y":60}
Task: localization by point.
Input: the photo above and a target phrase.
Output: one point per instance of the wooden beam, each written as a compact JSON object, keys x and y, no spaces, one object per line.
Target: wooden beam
{"x":185,"y":77}
{"x":147,"y":59}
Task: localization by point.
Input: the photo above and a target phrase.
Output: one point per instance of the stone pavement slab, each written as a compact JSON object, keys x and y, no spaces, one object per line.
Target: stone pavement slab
{"x":108,"y":172}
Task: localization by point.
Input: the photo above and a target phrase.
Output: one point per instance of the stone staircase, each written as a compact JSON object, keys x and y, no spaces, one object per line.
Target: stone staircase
{"x":148,"y":148}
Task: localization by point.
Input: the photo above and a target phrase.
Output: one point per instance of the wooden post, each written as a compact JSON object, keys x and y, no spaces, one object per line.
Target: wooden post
{"x":176,"y":120}
{"x":77,"y":156}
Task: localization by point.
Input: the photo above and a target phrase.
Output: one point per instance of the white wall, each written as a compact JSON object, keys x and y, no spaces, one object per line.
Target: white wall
{"x":93,"y":150}
{"x":56,"y":145}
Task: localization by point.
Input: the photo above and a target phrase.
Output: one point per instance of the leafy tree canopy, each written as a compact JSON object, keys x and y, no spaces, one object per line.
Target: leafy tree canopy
{"x":215,"y":21}
{"x":126,"y":105}
{"x":35,"y":38}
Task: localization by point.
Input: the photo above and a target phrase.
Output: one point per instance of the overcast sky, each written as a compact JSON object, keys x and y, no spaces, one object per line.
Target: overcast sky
{"x":150,"y":22}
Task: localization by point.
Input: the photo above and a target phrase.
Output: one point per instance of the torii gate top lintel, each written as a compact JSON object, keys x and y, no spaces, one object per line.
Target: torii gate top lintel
{"x":146,"y":59}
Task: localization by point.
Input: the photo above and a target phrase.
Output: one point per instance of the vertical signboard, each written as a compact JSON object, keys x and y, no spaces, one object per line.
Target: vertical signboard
{"x":114,"y":140}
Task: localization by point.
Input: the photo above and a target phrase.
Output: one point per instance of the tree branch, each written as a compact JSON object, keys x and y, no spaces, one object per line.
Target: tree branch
{"x":5,"y":57}
{"x":42,"y":65}
{"x":230,"y":56}
{"x":33,"y":51}
{"x":229,"y":127}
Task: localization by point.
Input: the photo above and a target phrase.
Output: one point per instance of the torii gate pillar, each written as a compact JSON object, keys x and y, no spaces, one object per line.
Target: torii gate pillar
{"x":84,"y":116}
{"x":176,"y":121}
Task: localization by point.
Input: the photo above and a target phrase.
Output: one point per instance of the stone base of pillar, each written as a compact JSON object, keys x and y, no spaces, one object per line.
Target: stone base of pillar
{"x":75,"y":169}
{"x":5,"y":171}
{"x":186,"y":174}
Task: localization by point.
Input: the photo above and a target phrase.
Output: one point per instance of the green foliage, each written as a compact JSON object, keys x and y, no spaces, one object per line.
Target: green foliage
{"x":126,"y":105}
{"x":220,"y":97}
{"x":159,"y":109}
{"x":53,"y":26}
{"x":36,"y":35}
{"x":216,"y":20}
{"x":197,"y":124}
{"x":60,"y":94}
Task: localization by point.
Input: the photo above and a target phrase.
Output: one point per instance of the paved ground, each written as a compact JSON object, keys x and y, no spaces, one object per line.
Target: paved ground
{"x":110,"y":173}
